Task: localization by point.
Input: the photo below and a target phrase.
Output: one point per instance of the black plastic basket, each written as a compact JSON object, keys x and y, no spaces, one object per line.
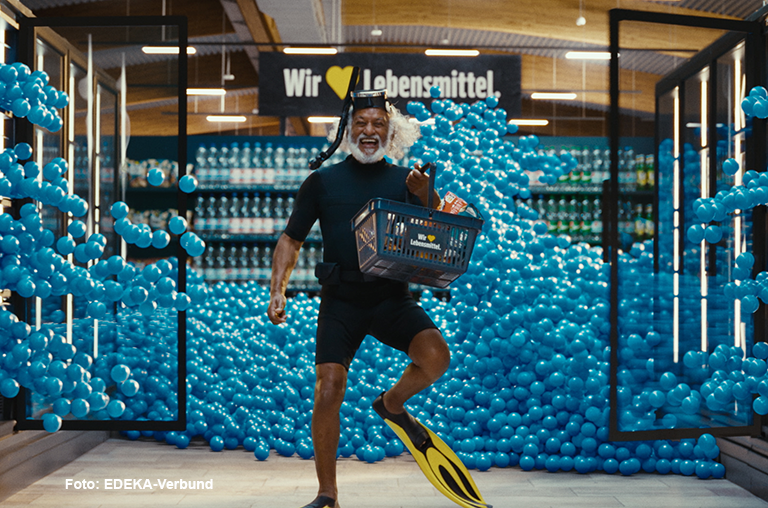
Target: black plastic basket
{"x":412,"y":243}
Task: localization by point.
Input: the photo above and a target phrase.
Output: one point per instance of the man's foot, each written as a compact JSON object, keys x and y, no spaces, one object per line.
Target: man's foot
{"x":415,"y":431}
{"x":322,"y":502}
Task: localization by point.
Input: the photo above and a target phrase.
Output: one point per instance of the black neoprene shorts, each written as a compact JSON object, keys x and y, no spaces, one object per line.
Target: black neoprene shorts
{"x":349,"y":312}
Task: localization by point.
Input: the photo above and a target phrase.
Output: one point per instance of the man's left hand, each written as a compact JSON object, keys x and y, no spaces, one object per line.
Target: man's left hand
{"x":418,"y":184}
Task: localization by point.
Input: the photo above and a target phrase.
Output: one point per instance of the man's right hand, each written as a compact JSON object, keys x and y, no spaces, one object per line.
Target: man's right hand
{"x":276,"y":309}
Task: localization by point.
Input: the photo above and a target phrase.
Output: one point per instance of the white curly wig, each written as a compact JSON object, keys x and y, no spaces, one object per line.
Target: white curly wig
{"x":401,"y":136}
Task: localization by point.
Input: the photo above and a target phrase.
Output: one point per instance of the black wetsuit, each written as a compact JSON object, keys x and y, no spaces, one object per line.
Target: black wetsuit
{"x":352,"y":309}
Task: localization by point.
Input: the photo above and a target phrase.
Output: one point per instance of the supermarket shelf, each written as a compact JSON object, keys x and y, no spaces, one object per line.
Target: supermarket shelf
{"x":573,"y":188}
{"x":266,"y":238}
{"x":292,"y":188}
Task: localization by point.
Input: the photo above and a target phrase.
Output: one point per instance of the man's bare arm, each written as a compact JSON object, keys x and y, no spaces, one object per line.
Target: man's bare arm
{"x":283,"y":261}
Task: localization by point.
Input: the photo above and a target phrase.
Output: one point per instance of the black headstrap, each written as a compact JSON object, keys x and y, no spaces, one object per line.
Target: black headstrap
{"x":324,"y":155}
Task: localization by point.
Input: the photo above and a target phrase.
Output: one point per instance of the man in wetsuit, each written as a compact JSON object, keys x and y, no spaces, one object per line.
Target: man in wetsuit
{"x":354,"y":305}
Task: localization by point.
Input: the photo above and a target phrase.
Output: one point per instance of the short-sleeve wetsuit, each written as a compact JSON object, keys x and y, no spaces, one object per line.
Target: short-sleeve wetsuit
{"x":349,"y":311}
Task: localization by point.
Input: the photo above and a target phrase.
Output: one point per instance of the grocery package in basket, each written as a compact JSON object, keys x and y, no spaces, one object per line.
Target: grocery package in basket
{"x":454,"y":204}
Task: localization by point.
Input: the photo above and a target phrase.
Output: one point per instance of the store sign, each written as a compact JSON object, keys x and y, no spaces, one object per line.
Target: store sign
{"x":304,"y":85}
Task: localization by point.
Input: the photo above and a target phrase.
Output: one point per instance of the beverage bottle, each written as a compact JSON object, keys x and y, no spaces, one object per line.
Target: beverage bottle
{"x":254,"y":177}
{"x":585,"y":219}
{"x":208,"y":265}
{"x":221,"y":260}
{"x":302,"y":161}
{"x":639,"y":217}
{"x":213,"y":165}
{"x":258,"y":271}
{"x":257,"y":223}
{"x":650,"y":171}
{"x":245,"y":208}
{"x":597,"y":214}
{"x":648,"y":216}
{"x":244,"y":165}
{"x":267,"y":214}
{"x":233,"y":164}
{"x":201,"y":164}
{"x":573,"y":216}
{"x":301,"y":267}
{"x":551,"y":214}
{"x":200,"y":213}
{"x":268,"y":165}
{"x":562,"y":216}
{"x":266,"y":262}
{"x":243,"y":259}
{"x":222,"y":223}
{"x":282,"y":172}
{"x":231,"y":263}
{"x":279,"y":214}
{"x":642,"y":172}
{"x":223,"y":169}
{"x":235,"y":221}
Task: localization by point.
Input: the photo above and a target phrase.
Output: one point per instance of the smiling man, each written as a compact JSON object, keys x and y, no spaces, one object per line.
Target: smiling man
{"x":353,"y":304}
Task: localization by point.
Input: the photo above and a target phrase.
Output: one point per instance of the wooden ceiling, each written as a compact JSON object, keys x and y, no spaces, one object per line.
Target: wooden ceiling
{"x":151,"y":114}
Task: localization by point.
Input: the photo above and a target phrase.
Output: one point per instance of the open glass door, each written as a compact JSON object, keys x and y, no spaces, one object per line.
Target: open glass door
{"x":680,"y":334}
{"x":109,"y":349}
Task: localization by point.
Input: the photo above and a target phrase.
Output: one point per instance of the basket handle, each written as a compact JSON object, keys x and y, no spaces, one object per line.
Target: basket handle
{"x":432,"y":174}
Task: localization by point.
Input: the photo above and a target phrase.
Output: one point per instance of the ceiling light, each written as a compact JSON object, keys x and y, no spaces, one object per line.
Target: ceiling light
{"x":166,"y":50}
{"x":376,"y":32}
{"x":588,"y":55}
{"x":451,"y":52}
{"x":529,"y":122}
{"x":322,"y":119}
{"x":310,"y":51}
{"x":560,"y":96}
{"x":206,"y":91}
{"x":226,"y":118}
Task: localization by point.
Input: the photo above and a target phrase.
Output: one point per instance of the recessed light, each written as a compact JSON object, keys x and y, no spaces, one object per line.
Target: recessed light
{"x":561,"y":96}
{"x":166,"y":50}
{"x":451,"y":52}
{"x":310,"y":51}
{"x":529,"y":122}
{"x":588,"y":55}
{"x":226,"y":118}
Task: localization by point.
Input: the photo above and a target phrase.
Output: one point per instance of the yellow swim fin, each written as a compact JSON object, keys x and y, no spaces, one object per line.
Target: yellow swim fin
{"x":437,"y":461}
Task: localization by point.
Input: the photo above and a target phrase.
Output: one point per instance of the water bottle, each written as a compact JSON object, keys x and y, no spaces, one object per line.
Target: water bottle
{"x":235,"y":172}
{"x":255,"y":175}
{"x":213,"y":164}
{"x":235,"y":223}
{"x":200,"y":213}
{"x":222,"y":222}
{"x":266,"y":263}
{"x":267,"y":215}
{"x":268,"y":165}
{"x":201,"y":164}
{"x":256,"y":222}
{"x":245,"y":207}
{"x":223,"y":169}
{"x":281,"y":169}
{"x":279,"y":214}
{"x":244,"y":165}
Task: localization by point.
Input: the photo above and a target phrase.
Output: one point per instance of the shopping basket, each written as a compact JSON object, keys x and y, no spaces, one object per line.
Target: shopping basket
{"x":412,"y":243}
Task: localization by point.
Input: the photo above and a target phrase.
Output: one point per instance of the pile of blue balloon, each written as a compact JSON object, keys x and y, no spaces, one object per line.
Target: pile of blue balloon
{"x":129,"y":308}
{"x":28,"y":94}
{"x":527,"y":326}
{"x":756,"y":103}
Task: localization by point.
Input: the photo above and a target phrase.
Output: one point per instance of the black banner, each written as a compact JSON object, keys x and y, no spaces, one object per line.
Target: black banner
{"x":304,"y":85}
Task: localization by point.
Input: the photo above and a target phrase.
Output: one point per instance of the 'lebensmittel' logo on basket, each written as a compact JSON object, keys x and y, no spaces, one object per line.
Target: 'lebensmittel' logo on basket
{"x":426,"y":240}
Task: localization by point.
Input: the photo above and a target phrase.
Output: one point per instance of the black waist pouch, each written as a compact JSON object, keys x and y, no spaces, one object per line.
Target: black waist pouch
{"x":328,"y":273}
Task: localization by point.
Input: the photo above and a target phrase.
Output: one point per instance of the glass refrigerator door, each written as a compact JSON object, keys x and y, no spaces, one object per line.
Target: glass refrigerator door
{"x":115,"y":355}
{"x":681,"y":333}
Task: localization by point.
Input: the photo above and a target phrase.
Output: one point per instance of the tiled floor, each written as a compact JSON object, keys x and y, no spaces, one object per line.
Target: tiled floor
{"x":239,"y":480}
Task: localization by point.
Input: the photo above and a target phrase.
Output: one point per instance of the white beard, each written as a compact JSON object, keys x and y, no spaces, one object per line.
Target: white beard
{"x":361,"y":156}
